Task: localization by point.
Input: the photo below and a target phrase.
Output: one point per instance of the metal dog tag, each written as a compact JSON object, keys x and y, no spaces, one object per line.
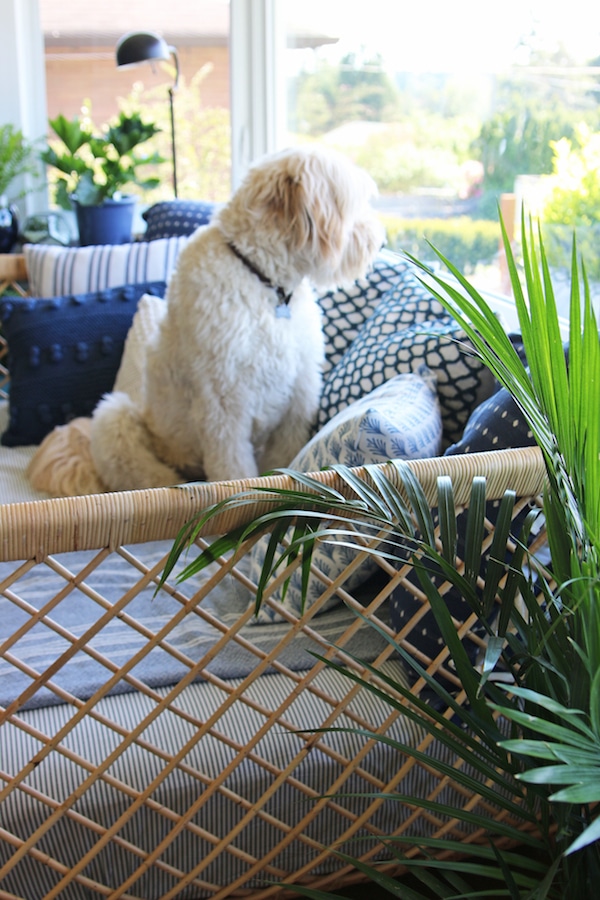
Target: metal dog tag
{"x":283,"y":311}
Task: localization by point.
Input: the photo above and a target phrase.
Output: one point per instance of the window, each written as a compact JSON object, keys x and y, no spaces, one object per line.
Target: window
{"x":453,"y":107}
{"x":81,"y":72}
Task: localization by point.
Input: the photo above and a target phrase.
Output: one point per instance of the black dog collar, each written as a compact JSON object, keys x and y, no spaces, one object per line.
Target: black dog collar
{"x":284,"y":299}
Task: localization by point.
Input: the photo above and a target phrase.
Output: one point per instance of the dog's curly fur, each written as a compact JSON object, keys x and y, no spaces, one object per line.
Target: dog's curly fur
{"x":231,"y":387}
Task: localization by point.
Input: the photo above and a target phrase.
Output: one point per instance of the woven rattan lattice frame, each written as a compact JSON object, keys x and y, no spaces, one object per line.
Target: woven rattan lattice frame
{"x":228,"y":774}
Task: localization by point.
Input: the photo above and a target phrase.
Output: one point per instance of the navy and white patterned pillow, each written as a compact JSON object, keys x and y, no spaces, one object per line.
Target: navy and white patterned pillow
{"x":386,"y":346}
{"x":173,"y":218}
{"x":401,"y":419}
{"x":496,"y":424}
{"x":346,"y":309}
{"x":426,"y":639}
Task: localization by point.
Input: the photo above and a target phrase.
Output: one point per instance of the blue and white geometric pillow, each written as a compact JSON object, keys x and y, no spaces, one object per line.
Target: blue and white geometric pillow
{"x":398,"y":420}
{"x":386,"y":346}
{"x":346,"y":309}
{"x":401,"y":419}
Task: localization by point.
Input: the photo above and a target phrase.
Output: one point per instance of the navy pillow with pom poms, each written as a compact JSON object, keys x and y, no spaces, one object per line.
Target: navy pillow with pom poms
{"x":63,"y":355}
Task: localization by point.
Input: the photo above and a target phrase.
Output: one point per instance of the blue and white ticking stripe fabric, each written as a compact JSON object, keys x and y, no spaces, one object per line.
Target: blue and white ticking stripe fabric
{"x":56,"y":271}
{"x":130,"y":774}
{"x":121,"y":638}
{"x":15,"y":486}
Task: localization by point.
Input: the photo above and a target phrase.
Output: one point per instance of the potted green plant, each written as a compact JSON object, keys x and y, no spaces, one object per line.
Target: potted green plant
{"x":95,"y":170}
{"x":543,"y":766}
{"x":17,"y":158}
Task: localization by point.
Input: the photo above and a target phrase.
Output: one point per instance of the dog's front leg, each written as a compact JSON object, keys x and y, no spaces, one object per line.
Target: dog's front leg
{"x":285,"y":443}
{"x":229,"y":456}
{"x":294,"y":429}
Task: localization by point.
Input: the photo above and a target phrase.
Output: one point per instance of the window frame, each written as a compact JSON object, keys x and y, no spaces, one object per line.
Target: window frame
{"x":22,"y":67}
{"x":257,"y":42}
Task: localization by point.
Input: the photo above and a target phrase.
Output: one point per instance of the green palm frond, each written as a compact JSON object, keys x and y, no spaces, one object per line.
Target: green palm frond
{"x":531,"y":747}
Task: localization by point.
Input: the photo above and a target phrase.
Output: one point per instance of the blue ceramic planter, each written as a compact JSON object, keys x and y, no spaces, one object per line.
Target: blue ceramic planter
{"x":109,"y":223}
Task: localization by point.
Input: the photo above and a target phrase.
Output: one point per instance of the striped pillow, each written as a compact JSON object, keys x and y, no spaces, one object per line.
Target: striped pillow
{"x":59,"y":271}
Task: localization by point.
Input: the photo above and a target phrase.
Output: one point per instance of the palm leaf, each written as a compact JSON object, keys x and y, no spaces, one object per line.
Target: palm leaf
{"x":547,"y":635}
{"x":591,"y":835}
{"x":447,"y":514}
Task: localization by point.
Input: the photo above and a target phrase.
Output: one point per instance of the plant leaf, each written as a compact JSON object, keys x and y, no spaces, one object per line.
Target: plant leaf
{"x":590,"y":835}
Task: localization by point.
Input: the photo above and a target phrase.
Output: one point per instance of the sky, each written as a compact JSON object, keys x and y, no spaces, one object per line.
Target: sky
{"x":456,"y":35}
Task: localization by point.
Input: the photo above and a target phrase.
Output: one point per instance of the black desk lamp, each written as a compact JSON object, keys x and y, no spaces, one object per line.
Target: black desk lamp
{"x":145,"y":46}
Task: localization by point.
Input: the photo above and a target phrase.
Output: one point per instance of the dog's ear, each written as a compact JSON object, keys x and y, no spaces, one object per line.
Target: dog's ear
{"x":307,"y":206}
{"x":286,"y":209}
{"x":325,"y":211}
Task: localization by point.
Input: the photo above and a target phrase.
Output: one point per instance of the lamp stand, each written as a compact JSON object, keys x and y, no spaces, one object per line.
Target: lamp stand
{"x":148,"y":46}
{"x":173,"y":151}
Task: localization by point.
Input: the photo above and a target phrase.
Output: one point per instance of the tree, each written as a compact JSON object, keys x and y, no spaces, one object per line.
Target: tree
{"x":358,"y":88}
{"x":517,"y":142}
{"x":518,"y":139}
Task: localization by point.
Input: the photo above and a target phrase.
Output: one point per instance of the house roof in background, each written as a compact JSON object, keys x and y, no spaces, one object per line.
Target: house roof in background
{"x":179,"y":21}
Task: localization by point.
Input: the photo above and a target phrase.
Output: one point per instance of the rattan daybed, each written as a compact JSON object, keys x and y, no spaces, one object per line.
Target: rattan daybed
{"x":158,"y":747}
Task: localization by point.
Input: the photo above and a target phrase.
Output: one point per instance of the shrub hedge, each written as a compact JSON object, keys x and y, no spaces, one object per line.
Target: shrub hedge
{"x":463,"y":240}
{"x":558,"y":243}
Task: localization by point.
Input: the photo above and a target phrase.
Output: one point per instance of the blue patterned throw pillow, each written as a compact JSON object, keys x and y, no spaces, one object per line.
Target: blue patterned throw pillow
{"x":407,"y":600}
{"x":174,"y":218}
{"x":346,"y":309}
{"x":400,"y":337}
{"x":496,"y":424}
{"x":63,"y":355}
{"x":401,"y":419}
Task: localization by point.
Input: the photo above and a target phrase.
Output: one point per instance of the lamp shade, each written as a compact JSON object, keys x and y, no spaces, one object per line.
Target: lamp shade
{"x":140,"y":46}
{"x":143,"y":46}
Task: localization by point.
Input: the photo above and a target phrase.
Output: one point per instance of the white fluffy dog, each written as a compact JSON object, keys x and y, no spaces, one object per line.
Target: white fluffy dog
{"x":233,"y":377}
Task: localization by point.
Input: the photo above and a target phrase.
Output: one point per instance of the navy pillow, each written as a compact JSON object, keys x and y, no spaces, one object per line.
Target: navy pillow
{"x":426,"y":637}
{"x":176,"y":218}
{"x":496,"y":424}
{"x":63,"y":355}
